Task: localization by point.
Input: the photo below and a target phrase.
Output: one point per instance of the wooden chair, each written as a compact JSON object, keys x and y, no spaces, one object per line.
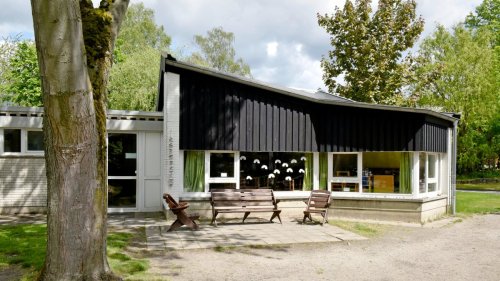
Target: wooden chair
{"x":318,"y":203}
{"x":180,"y":211}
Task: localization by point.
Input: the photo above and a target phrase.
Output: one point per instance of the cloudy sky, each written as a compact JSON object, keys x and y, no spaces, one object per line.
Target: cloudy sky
{"x":279,"y":39}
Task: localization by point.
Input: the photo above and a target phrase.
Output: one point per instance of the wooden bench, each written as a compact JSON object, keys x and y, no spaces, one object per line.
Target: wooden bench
{"x":243,"y":201}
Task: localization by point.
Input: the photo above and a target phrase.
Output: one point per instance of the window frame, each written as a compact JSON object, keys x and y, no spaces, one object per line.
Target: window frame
{"x":24,"y":142}
{"x":334,"y":179}
{"x":236,"y":172}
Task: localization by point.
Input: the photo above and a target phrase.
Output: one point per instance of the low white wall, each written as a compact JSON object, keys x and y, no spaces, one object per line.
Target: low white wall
{"x":23,"y":185}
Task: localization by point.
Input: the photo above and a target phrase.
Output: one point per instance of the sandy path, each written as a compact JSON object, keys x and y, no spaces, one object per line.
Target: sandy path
{"x":468,"y":250}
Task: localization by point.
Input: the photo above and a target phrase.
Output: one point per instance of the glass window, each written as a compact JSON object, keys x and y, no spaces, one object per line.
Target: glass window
{"x":432,"y":187}
{"x":432,"y":166}
{"x":422,"y":174}
{"x":221,"y":165}
{"x":387,"y":172}
{"x":12,"y":140}
{"x":122,"y":193}
{"x":35,"y":141}
{"x":227,"y":185}
{"x":194,"y":171}
{"x":345,"y":165}
{"x":122,"y":154}
{"x":287,"y":171}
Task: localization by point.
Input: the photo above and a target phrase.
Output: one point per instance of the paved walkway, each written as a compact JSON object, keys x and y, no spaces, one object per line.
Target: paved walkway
{"x":230,"y":233}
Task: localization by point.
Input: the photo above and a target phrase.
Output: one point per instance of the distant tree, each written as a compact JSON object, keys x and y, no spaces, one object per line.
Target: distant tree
{"x":21,"y":77}
{"x":139,"y":30}
{"x":134,"y":77}
{"x":134,"y":81}
{"x":367,"y":49}
{"x":455,"y":71}
{"x":216,"y":51}
{"x":486,"y":15}
{"x":8,"y":48}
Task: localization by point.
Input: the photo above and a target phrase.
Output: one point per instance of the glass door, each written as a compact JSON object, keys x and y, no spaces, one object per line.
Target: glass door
{"x":122,"y":170}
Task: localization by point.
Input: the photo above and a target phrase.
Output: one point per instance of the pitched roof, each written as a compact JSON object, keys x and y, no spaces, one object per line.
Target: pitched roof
{"x":318,"y":97}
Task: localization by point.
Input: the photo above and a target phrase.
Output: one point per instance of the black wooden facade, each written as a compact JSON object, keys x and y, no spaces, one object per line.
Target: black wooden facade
{"x":223,"y":114}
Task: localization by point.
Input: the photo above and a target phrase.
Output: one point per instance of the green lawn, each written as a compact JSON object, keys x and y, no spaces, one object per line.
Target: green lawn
{"x":477,"y":203}
{"x":479,"y":186}
{"x":24,"y":246}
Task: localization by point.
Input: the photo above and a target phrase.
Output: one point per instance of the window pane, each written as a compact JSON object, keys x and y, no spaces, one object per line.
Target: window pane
{"x":421,"y":177}
{"x":212,"y":186}
{"x":432,"y":166}
{"x":432,"y":187}
{"x":122,"y":154}
{"x":35,"y":141}
{"x":345,"y":165}
{"x":381,"y":172}
{"x":12,"y":140}
{"x":121,"y":193}
{"x":276,"y":170}
{"x":221,"y":165}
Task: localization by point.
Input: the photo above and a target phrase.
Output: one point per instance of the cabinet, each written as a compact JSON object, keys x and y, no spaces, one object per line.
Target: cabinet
{"x":383,"y":183}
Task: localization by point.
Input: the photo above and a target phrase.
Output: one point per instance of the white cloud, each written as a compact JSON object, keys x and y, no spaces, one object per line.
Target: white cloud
{"x":292,"y":24}
{"x":272,"y":48}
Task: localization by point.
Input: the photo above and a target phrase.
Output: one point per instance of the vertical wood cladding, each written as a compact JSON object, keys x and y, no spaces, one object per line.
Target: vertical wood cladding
{"x":218,"y":114}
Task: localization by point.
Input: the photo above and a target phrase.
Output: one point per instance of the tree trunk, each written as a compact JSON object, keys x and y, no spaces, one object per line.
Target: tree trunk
{"x":74,"y":74}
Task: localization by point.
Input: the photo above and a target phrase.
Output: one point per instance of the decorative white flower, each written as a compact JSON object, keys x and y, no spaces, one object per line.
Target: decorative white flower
{"x":293,"y":161}
{"x":271,"y":176}
{"x":284,"y":165}
{"x":277,"y":161}
{"x":277,"y":171}
{"x":243,"y":158}
{"x":289,"y":170}
{"x":256,"y":161}
{"x":302,"y":171}
{"x":288,"y":178}
{"x":248,"y":178}
{"x":303,"y":158}
{"x":264,"y":167}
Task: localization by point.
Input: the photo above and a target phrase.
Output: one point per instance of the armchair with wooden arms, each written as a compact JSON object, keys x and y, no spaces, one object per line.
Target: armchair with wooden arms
{"x":179,"y":209}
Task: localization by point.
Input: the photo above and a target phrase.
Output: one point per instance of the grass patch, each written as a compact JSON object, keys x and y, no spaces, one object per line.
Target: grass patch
{"x":479,"y":186}
{"x":477,"y":203}
{"x":120,"y":261}
{"x":364,"y":229}
{"x":24,"y":246}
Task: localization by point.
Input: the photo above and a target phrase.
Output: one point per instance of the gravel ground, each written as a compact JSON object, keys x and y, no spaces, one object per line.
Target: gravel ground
{"x":465,"y":250}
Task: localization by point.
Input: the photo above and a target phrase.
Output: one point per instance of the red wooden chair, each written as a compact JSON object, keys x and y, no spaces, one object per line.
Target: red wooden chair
{"x":180,"y":211}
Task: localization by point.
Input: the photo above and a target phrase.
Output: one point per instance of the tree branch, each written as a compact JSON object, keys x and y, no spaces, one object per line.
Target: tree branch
{"x":118,"y":10}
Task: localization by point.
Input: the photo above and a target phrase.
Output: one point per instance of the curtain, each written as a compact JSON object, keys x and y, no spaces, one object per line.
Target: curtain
{"x":308,"y":176}
{"x":405,"y":166}
{"x":194,"y":171}
{"x":323,"y":171}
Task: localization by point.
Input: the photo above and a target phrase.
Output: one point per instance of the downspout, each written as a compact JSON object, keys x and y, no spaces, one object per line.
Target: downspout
{"x":454,"y":168}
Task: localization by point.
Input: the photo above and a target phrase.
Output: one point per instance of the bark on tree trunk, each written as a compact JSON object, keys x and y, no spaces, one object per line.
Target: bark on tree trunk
{"x":74,"y":79}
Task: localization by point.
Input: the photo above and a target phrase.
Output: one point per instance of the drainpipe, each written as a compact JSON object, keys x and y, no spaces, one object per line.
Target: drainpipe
{"x":454,"y":168}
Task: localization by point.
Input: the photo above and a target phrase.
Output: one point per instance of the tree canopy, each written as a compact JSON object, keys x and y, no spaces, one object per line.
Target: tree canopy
{"x":21,"y":77}
{"x":364,"y":64}
{"x":216,"y":51}
{"x":455,"y":72}
{"x":134,"y":77}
